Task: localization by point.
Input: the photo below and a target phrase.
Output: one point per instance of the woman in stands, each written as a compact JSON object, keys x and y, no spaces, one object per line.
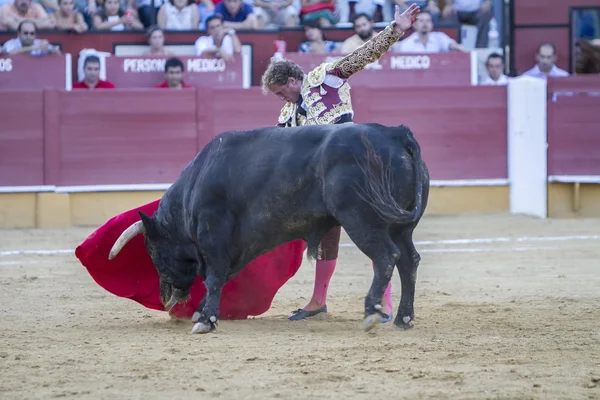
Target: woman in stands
{"x":316,"y":43}
{"x":112,"y":18}
{"x":178,"y":15}
{"x":156,"y":40}
{"x":69,"y":19}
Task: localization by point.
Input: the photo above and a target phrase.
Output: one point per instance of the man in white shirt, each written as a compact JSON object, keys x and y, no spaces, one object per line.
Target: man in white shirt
{"x":495,"y":69}
{"x":546,"y":59}
{"x":219,"y":42}
{"x":474,"y":12}
{"x":424,"y":40}
{"x":26,"y":42}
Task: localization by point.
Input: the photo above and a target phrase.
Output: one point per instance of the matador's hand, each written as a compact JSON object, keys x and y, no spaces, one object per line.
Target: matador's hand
{"x":405,"y":20}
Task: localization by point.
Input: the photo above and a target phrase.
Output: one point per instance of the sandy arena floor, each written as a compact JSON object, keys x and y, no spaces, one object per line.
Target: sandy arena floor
{"x":516,"y":318}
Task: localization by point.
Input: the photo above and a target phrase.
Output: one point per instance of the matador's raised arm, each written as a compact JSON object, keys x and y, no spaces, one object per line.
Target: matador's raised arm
{"x":366,"y":54}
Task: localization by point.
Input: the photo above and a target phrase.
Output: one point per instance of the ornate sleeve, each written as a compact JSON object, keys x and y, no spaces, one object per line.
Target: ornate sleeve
{"x":366,"y":54}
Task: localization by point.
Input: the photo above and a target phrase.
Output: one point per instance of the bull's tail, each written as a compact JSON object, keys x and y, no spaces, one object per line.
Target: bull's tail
{"x":378,"y":190}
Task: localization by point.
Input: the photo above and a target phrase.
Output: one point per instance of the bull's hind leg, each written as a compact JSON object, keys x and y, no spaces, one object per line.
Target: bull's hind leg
{"x":407,"y":268}
{"x":376,"y":244}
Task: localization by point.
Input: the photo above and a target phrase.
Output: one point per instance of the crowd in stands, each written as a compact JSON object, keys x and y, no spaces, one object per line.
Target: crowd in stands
{"x":221,"y":18}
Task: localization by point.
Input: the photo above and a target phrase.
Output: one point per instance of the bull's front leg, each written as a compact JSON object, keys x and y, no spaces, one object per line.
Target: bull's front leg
{"x":207,"y":314}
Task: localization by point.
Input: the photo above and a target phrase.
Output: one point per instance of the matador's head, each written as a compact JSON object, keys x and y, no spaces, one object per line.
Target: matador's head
{"x":283,"y":78}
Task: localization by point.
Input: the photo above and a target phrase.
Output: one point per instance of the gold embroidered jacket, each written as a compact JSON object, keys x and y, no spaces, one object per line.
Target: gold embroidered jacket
{"x":325,"y":92}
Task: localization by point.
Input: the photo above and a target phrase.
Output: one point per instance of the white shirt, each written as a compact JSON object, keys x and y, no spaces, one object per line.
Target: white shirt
{"x":15,"y":44}
{"x":467,"y":5}
{"x":503,"y":80}
{"x":437,"y":42}
{"x":207,"y":42}
{"x":554,"y":72}
{"x":179,"y":20}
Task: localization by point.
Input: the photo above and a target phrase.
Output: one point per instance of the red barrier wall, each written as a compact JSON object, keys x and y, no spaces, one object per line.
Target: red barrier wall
{"x":149,"y":135}
{"x":462,"y":131}
{"x":21,"y":138}
{"x":573,"y":126}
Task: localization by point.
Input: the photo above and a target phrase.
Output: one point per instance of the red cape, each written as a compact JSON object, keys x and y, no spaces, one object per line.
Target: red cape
{"x":132,"y":274}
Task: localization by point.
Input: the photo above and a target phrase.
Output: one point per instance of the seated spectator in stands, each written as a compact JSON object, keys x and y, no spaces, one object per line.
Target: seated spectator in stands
{"x":316,"y":43}
{"x":173,"y":75}
{"x":220,"y":42}
{"x":274,"y":13}
{"x":363,"y":28}
{"x":206,"y":8}
{"x":425,"y":40}
{"x":13,"y":14}
{"x":178,"y":15}
{"x":27,"y":42}
{"x":68,"y":19}
{"x":495,"y":69}
{"x":156,"y":40}
{"x":112,"y":18}
{"x":321,"y":11}
{"x":237,"y":14}
{"x":424,"y":5}
{"x":91,"y":71}
{"x":372,"y":8}
{"x":546,"y":58}
{"x":473,"y":12}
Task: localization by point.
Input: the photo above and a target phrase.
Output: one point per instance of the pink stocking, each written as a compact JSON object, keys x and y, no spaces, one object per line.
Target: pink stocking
{"x":323,"y":273}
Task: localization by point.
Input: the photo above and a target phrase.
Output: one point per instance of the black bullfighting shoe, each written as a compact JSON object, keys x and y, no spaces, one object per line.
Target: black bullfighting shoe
{"x":301,"y":314}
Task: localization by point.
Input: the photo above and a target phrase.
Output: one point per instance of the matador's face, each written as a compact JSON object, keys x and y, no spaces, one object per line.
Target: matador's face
{"x":290,"y":92}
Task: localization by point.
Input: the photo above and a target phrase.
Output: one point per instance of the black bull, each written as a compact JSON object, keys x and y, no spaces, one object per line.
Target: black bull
{"x":248,"y":192}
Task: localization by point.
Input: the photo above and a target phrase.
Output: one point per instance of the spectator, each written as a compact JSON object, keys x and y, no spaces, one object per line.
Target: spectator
{"x":178,"y":15}
{"x":546,"y":58}
{"x":219,"y":42}
{"x":275,"y":13}
{"x":321,"y":11}
{"x":206,"y":8}
{"x":91,"y":71}
{"x":316,"y":43}
{"x":13,"y":14}
{"x":156,"y":40}
{"x":425,"y":40}
{"x":237,"y":14}
{"x":373,"y":8}
{"x":363,"y":28}
{"x":68,"y":19}
{"x":173,"y":75}
{"x":495,"y":68}
{"x":111,"y":17}
{"x":27,"y":42}
{"x":424,"y":5}
{"x":474,"y":12}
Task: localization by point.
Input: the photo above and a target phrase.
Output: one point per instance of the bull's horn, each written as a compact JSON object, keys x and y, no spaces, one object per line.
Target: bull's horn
{"x":126,"y":236}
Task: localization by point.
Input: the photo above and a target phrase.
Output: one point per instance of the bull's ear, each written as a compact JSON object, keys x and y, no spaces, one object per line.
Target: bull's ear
{"x":147,"y":221}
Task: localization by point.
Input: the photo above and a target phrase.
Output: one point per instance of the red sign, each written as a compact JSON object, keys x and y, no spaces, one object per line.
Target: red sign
{"x":401,"y":69}
{"x":52,"y":71}
{"x":147,"y":72}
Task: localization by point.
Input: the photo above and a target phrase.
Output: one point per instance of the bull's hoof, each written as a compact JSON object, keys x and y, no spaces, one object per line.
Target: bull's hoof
{"x":201,"y":327}
{"x":371,"y":320}
{"x":404,"y":323}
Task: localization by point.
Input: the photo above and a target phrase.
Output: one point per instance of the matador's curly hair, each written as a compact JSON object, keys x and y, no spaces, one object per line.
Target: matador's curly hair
{"x":278,"y":72}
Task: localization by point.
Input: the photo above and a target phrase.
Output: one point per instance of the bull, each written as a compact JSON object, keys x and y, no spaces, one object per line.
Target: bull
{"x":247,"y":192}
